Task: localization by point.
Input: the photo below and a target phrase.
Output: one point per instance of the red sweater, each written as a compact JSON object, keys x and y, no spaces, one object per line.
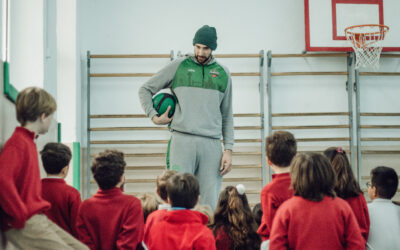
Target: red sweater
{"x":153,"y":219}
{"x":302,"y":224}
{"x":183,"y":230}
{"x":222,"y":240}
{"x":20,"y":186}
{"x":110,"y":220}
{"x":65,"y":201}
{"x":359,"y":206}
{"x":272,"y":196}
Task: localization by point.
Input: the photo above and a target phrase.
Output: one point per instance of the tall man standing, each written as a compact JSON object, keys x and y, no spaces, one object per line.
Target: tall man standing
{"x":203,"y":114}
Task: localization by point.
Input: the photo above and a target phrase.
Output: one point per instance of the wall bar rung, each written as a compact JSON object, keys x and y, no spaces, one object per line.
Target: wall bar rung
{"x":379,"y":73}
{"x":380,"y":139}
{"x":118,"y":116}
{"x":159,"y":128}
{"x":341,"y":73}
{"x":390,"y":55}
{"x":380,"y":126}
{"x":323,"y":139}
{"x":144,"y":116}
{"x":247,"y":115}
{"x":311,"y":114}
{"x":379,"y":114}
{"x":237,"y":55}
{"x":310,"y":127}
{"x":132,"y":56}
{"x":380,"y":152}
{"x":311,"y":55}
{"x":151,"y":74}
{"x":164,"y":154}
{"x":127,"y":128}
{"x":245,"y":74}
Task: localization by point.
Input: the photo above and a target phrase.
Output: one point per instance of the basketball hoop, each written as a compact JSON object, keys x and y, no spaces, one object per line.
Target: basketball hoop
{"x":366,"y":41}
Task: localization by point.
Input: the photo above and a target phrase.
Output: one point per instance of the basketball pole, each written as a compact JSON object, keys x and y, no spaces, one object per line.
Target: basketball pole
{"x":350,"y":90}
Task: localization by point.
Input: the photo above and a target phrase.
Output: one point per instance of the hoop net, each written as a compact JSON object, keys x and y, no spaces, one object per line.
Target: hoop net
{"x":367,"y":42}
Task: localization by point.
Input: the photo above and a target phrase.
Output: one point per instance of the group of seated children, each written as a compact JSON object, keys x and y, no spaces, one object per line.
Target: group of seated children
{"x":312,"y":202}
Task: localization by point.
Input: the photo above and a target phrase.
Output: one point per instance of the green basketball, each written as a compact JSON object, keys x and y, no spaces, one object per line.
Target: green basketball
{"x":161,"y":103}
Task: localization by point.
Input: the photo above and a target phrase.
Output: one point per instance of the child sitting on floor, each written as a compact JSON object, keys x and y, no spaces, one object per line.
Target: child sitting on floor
{"x":181,"y":228}
{"x":234,"y":225}
{"x":64,"y":199}
{"x":384,"y":215}
{"x":348,"y":188}
{"x":314,"y":218}
{"x":110,"y":219}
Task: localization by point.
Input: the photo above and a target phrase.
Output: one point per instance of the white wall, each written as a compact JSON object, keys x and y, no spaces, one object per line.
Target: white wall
{"x":26,"y":43}
{"x":67,"y":74}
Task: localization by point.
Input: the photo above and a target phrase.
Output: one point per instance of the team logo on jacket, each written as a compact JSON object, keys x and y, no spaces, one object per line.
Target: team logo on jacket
{"x":191,"y":70}
{"x":214,"y":73}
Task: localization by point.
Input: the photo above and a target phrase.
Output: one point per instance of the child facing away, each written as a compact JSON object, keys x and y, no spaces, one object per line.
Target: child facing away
{"x":150,"y":204}
{"x":22,"y":206}
{"x":280,"y":149}
{"x":64,"y":199}
{"x":348,"y":188}
{"x":384,"y":214}
{"x":181,"y":228}
{"x":161,"y":190}
{"x":314,"y":218}
{"x":110,"y":219}
{"x":234,"y":226}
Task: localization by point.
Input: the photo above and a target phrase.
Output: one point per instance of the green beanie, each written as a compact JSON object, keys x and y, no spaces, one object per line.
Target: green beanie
{"x":206,"y":35}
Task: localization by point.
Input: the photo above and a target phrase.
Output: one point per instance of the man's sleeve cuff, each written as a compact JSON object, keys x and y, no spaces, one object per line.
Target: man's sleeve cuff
{"x":228,"y":146}
{"x":152,"y":113}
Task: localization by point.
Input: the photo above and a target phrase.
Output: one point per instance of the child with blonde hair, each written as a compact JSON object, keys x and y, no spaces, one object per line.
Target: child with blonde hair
{"x":22,"y":207}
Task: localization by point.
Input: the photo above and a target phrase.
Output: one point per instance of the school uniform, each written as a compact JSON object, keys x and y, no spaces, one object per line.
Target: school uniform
{"x":359,"y":206}
{"x":181,"y":230}
{"x":111,"y":220}
{"x":156,"y":217}
{"x":222,"y":240}
{"x":22,"y":206}
{"x":21,"y":189}
{"x":65,"y":201}
{"x":272,"y":196}
{"x":329,"y":224}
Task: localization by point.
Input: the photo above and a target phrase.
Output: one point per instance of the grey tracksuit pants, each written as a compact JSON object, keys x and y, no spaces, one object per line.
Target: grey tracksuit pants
{"x":200,"y":156}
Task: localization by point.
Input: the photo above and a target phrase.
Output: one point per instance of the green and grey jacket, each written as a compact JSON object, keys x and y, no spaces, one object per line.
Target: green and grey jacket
{"x":204,"y":94}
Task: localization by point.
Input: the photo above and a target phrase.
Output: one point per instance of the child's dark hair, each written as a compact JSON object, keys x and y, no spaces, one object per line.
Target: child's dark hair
{"x":233,"y":215}
{"x":281,"y":147}
{"x":312,"y":176}
{"x":385,"y":180}
{"x":183,"y":190}
{"x":346,"y":185}
{"x":162,"y":183}
{"x":107,"y":168}
{"x":257,"y":213}
{"x":55,"y":156}
{"x":32,"y":102}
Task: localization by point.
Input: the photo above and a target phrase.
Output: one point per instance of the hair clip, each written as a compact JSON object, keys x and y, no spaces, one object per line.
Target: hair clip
{"x":339,"y":150}
{"x":240,"y":189}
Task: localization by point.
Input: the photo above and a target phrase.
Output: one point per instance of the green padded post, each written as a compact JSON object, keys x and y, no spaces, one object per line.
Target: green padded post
{"x":59,"y":132}
{"x":9,"y":90}
{"x":76,"y":160}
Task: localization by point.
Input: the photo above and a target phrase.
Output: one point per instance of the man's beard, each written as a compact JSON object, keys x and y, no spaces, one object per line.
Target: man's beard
{"x":202,"y":59}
